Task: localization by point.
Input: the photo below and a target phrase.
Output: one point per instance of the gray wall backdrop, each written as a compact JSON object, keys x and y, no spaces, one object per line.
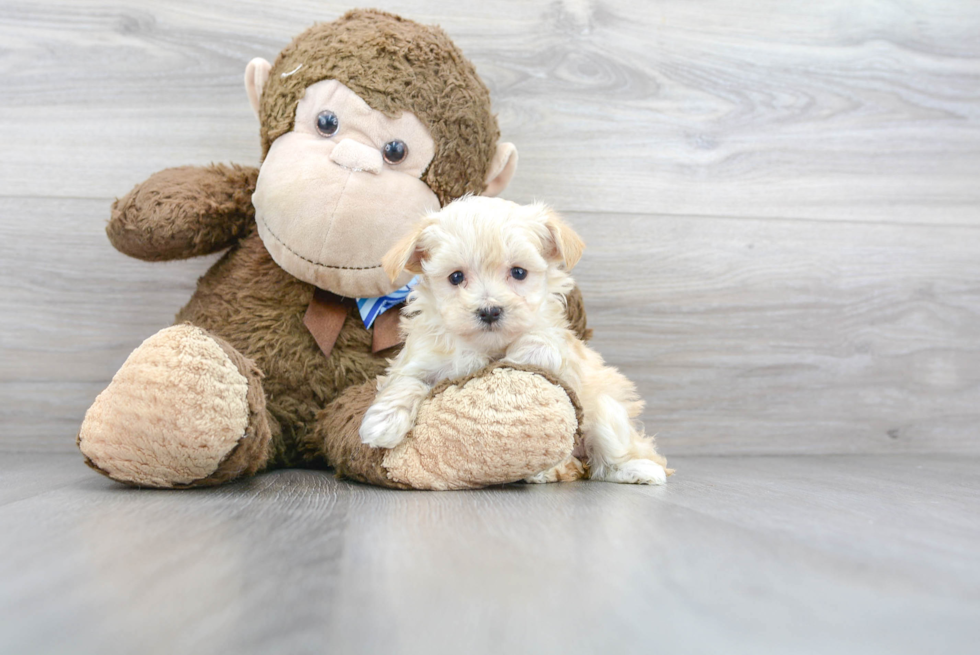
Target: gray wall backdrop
{"x":781,"y":200}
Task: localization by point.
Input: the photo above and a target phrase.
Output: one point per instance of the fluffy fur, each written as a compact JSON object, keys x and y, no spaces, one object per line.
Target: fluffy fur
{"x":394,"y":65}
{"x":483,"y":244}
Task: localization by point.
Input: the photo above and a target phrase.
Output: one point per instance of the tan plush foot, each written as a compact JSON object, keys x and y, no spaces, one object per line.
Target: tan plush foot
{"x":503,"y":425}
{"x":175,"y":412}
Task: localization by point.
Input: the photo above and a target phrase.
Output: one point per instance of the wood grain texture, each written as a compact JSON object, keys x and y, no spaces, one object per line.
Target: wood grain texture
{"x":859,"y":554}
{"x":781,"y":202}
{"x":756,"y":336}
{"x":71,"y":311}
{"x":863,"y":110}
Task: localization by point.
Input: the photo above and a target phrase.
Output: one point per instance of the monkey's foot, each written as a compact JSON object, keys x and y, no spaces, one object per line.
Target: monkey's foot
{"x":185,"y":409}
{"x":503,"y":424}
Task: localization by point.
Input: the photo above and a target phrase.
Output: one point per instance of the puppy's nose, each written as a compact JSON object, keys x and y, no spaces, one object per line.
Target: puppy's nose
{"x":490,"y":315}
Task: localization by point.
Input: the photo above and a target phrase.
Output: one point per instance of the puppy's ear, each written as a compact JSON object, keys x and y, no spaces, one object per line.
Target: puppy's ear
{"x":407,"y":254}
{"x":562,"y":243}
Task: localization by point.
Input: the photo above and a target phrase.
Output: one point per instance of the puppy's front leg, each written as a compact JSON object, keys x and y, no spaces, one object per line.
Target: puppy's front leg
{"x":393,"y":413}
{"x":536,"y":350}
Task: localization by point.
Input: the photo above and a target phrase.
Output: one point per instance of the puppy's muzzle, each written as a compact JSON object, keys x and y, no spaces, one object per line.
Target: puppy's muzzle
{"x":490,"y":315}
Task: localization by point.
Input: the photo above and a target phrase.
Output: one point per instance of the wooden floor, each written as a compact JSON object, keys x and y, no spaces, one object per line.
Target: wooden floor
{"x":833,"y":554}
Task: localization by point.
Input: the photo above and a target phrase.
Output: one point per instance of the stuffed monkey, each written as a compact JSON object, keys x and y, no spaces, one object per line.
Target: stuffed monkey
{"x":366,"y":123}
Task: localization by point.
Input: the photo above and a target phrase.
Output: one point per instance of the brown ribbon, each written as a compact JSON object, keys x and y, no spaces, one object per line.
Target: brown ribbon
{"x":386,"y":329}
{"x":325,"y":318}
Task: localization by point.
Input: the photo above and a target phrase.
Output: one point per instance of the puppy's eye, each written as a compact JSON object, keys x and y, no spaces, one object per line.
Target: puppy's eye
{"x":395,"y":151}
{"x":327,"y":123}
{"x":518,"y":273}
{"x":456,"y":278}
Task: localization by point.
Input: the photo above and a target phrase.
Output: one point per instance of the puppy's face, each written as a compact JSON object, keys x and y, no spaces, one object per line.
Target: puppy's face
{"x":488,"y":265}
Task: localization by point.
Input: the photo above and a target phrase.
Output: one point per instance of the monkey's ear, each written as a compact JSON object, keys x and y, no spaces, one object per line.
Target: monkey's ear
{"x":502,"y":169}
{"x":563,"y":243}
{"x":407,"y":254}
{"x":256,"y":75}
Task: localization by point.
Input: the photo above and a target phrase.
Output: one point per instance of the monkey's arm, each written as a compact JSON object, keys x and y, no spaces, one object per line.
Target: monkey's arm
{"x":184,"y":212}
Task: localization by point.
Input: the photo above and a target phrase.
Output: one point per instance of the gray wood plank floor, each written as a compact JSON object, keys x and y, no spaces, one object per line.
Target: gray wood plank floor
{"x":846,"y":554}
{"x":781,"y":199}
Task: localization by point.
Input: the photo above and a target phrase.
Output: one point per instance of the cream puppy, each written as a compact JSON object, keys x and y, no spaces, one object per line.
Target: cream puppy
{"x":494,"y":279}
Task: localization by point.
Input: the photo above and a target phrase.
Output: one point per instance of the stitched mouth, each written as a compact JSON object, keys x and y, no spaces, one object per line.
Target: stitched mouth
{"x":307,"y":259}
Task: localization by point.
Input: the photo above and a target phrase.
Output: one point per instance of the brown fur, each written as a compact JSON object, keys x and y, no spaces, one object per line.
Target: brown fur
{"x":258,"y":308}
{"x":575,"y":310}
{"x":184,"y":212}
{"x":336,"y":434}
{"x":365,"y":50}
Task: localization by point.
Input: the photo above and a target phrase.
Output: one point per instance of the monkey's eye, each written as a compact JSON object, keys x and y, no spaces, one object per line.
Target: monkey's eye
{"x":518,"y":273}
{"x":456,"y":278}
{"x":327,"y":123}
{"x":395,"y":151}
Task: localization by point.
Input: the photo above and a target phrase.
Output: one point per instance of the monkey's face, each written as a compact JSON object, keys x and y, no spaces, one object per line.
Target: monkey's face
{"x":336,"y":193}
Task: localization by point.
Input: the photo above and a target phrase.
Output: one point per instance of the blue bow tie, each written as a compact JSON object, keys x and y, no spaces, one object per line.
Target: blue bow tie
{"x":372,"y":308}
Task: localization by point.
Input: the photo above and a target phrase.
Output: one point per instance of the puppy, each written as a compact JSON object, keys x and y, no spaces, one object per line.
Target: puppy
{"x":493,"y":285}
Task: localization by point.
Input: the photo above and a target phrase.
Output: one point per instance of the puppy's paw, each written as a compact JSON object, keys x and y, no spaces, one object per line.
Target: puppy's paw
{"x":535,"y":352}
{"x":635,"y":471}
{"x":385,"y":425}
{"x":570,"y":469}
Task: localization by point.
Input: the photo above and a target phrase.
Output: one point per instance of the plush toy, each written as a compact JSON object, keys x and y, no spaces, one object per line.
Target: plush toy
{"x":366,"y":123}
